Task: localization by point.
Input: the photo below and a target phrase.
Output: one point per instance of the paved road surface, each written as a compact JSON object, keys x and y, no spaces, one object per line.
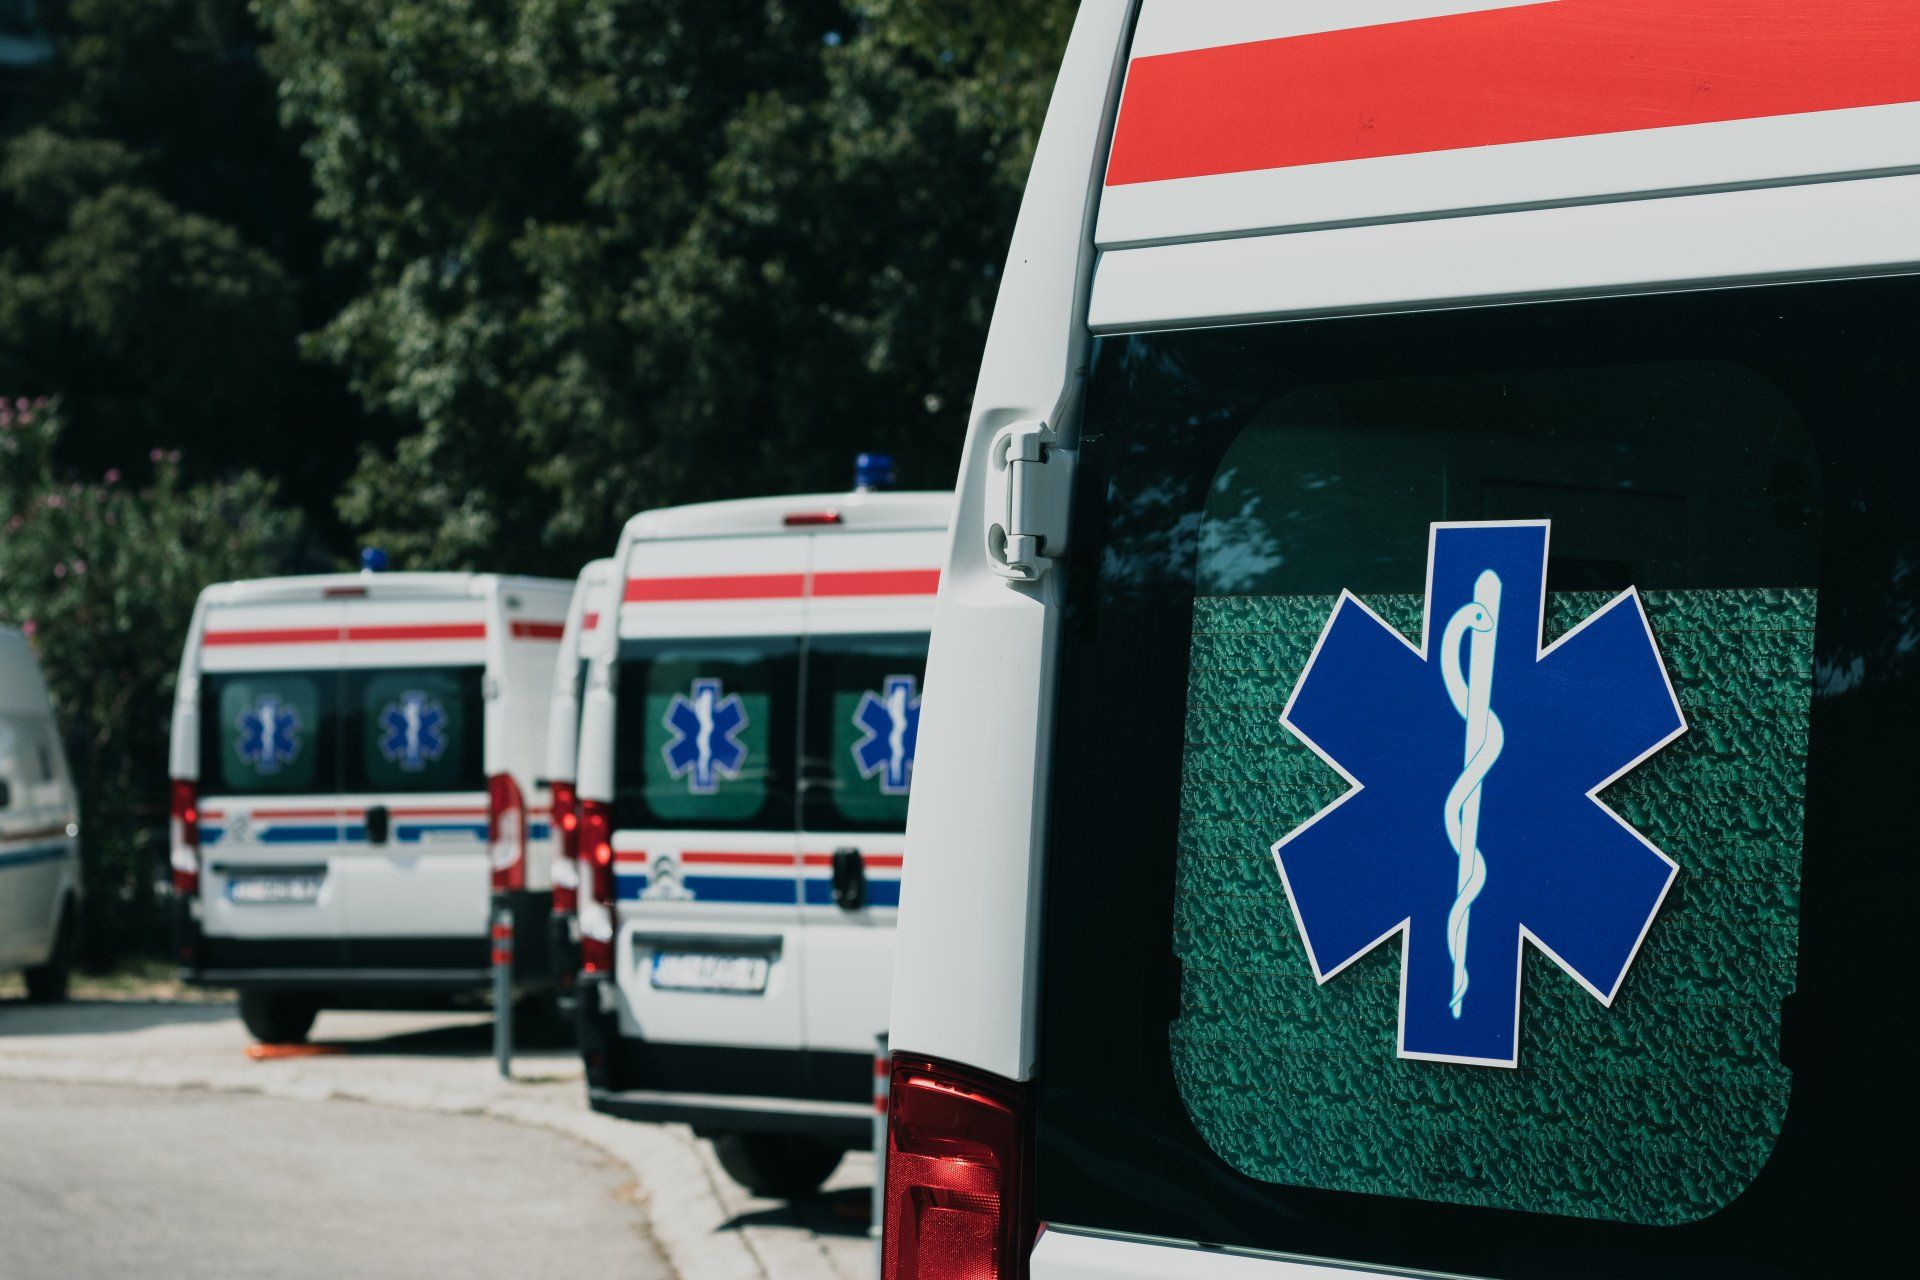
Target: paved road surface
{"x":116,"y":1182}
{"x":420,"y":1072}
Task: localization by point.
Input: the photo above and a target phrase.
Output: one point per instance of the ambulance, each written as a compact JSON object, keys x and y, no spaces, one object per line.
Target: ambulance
{"x":589,"y":605}
{"x":40,"y":885}
{"x":746,"y":753}
{"x":1416,"y":775}
{"x":355,"y":761}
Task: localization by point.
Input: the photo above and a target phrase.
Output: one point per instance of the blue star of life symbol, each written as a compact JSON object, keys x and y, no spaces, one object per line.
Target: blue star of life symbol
{"x":269,"y":734}
{"x":413,"y":731}
{"x":706,"y":745}
{"x":1473,"y":823}
{"x":889,"y":722}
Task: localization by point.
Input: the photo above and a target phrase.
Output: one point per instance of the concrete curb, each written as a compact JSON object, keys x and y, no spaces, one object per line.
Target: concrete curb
{"x":685,"y":1212}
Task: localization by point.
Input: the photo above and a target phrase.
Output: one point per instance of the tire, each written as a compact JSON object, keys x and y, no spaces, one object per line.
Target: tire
{"x":277,"y":1017}
{"x":779,"y":1166}
{"x":47,"y":983}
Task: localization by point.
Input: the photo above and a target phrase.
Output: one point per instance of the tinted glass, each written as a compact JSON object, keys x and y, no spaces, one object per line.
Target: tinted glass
{"x":1741,"y":459}
{"x":269,"y":733}
{"x":863,"y":721}
{"x":414,"y":730}
{"x":705,"y":734}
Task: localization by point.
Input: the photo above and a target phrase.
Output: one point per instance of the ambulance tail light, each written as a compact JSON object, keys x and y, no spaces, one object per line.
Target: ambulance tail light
{"x":958,"y":1193}
{"x":566,"y":830}
{"x":506,"y":834}
{"x":596,"y":880}
{"x":183,"y":812}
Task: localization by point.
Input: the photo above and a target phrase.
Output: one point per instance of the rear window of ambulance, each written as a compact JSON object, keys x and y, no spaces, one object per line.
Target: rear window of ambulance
{"x":1743,"y":460}
{"x":396,"y":730}
{"x":863,"y":723}
{"x":705,"y":734}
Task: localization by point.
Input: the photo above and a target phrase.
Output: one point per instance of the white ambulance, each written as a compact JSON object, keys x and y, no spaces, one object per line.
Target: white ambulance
{"x":354,"y":783}
{"x":745,"y":756}
{"x":590,"y":604}
{"x":1415,"y":778}
{"x":40,"y":888}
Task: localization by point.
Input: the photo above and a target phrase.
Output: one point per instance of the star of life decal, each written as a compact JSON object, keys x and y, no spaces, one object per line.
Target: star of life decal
{"x":889,"y":722}
{"x":706,"y":744}
{"x":1472,"y":825}
{"x":269,"y":734}
{"x":413,"y":731}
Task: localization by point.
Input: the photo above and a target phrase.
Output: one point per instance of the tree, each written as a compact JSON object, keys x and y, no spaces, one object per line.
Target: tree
{"x":102,"y":575}
{"x":630,"y":252}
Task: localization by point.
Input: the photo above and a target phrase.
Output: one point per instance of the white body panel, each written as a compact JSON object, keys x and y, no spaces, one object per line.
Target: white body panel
{"x":765,"y":892}
{"x":429,"y":879}
{"x":1192,"y":252}
{"x":39,"y":845}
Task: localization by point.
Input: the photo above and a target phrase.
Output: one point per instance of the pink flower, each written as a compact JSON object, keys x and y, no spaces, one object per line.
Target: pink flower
{"x":6,"y":416}
{"x":23,"y":404}
{"x":113,"y":475}
{"x":55,"y":500}
{"x":30,"y":627}
{"x":59,"y":571}
{"x":79,"y":566}
{"x":41,"y":402}
{"x":26,"y":419}
{"x":155,"y":456}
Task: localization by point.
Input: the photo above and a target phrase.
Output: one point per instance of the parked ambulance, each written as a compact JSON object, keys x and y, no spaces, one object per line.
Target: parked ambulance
{"x":40,"y":889}
{"x":1416,"y":777}
{"x":591,"y":602}
{"x":354,"y":765}
{"x":746,"y":753}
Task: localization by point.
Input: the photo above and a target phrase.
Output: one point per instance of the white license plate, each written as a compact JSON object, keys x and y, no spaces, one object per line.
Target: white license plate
{"x":706,"y":971}
{"x":296,"y":890}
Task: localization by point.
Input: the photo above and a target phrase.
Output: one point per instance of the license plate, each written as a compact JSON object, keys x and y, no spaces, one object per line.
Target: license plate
{"x":293,"y":890}
{"x":706,"y":971}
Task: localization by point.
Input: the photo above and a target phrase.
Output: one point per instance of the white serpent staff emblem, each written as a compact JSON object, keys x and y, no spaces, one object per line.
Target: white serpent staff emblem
{"x":1472,"y":694}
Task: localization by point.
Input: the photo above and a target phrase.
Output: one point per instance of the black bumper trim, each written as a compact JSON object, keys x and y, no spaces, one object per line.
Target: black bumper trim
{"x":848,"y":1124}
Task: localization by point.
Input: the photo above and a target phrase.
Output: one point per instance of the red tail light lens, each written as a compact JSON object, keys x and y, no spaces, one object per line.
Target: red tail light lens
{"x":566,"y":850}
{"x":184,"y":818}
{"x":957,"y":1195}
{"x":506,"y":833}
{"x":596,"y":879}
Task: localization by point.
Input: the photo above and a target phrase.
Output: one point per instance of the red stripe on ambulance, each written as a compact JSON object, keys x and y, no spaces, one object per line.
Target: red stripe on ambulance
{"x":1564,"y":69}
{"x":843,"y":584}
{"x":351,"y":635}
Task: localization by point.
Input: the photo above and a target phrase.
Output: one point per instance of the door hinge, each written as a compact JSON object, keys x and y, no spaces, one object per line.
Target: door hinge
{"x":1033,"y":476}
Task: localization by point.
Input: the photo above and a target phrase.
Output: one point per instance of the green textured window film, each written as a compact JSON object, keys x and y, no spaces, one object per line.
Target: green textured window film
{"x":416,"y":731}
{"x":1658,"y":1110}
{"x":863,"y":713}
{"x":705,"y":735}
{"x":269,"y":733}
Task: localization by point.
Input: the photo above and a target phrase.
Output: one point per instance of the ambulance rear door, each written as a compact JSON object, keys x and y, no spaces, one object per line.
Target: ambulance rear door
{"x":414,"y":816}
{"x":706,"y":856}
{"x":271,"y":826}
{"x":870,"y":608}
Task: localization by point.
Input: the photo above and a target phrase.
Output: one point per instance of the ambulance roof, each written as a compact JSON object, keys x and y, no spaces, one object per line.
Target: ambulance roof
{"x":305,"y":588}
{"x":872,"y":511}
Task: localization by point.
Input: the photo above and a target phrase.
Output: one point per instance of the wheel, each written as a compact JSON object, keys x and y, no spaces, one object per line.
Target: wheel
{"x":47,"y":983}
{"x":277,"y":1017}
{"x":777,"y":1165}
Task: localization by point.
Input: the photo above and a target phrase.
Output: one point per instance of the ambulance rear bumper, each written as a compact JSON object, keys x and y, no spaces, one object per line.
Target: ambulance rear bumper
{"x":847,"y":1124}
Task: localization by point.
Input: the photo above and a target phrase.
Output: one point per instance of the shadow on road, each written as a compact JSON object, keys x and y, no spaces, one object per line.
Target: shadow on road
{"x":18,"y":1017}
{"x":845,"y":1212}
{"x":467,"y":1040}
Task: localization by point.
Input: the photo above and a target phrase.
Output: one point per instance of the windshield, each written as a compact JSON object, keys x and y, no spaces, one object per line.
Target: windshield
{"x":1281,"y":826}
{"x":389,"y":731}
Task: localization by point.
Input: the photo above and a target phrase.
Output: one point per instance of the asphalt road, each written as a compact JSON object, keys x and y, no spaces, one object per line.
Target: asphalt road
{"x":117,"y":1182}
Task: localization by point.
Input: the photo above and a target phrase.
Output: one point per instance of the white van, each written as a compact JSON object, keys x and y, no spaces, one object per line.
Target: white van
{"x":40,"y":893}
{"x":1417,"y":775}
{"x":745,"y":757}
{"x":354,"y":764}
{"x":591,"y":602}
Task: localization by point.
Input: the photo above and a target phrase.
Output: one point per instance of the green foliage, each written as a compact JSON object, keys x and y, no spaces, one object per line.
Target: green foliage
{"x":158,"y":256}
{"x":622,"y":253}
{"x":103,"y":575}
